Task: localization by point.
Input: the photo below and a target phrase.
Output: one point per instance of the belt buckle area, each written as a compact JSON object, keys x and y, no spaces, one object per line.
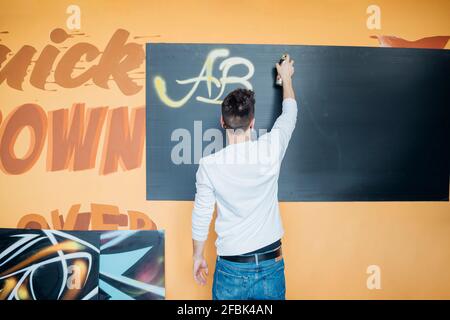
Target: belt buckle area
{"x":239,"y":258}
{"x":249,"y":258}
{"x":252,"y":258}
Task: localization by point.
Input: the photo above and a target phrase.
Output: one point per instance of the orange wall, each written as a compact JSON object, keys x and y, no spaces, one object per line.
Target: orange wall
{"x":327,"y":246}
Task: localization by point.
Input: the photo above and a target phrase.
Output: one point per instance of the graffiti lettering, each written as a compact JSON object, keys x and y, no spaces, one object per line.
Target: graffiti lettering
{"x":206,"y":74}
{"x":101,"y":217}
{"x":114,"y":62}
{"x":73,"y":138}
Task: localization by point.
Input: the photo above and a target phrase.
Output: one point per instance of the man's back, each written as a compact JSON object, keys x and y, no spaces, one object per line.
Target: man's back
{"x":242,"y":179}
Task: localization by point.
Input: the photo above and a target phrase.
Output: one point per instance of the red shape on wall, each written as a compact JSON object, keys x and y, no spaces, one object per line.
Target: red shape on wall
{"x":435,"y":42}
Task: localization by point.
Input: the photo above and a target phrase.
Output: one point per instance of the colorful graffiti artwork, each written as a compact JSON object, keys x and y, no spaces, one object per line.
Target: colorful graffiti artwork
{"x":81,"y":265}
{"x":48,"y":264}
{"x":131,"y":265}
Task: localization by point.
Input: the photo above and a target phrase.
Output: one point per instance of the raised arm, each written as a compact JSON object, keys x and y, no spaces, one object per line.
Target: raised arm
{"x":285,"y":123}
{"x":286,"y":71}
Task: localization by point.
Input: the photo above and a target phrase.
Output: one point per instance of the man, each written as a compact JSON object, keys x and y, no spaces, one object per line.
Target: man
{"x":242,"y":179}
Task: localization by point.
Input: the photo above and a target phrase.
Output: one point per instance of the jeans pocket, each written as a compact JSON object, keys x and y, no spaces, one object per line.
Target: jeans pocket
{"x":275,"y":282}
{"x":228,"y":286}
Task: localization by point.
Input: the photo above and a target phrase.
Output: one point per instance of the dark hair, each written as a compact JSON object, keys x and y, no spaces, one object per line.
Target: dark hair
{"x":238,"y":109}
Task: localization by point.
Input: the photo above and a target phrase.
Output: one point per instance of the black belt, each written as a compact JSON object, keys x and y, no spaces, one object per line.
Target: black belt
{"x":254,"y":257}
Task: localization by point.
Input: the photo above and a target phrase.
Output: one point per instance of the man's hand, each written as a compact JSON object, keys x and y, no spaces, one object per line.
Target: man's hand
{"x":286,"y":69}
{"x":200,"y":270}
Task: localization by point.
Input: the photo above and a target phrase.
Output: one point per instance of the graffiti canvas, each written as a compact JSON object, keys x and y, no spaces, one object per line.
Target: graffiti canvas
{"x":131,"y":265}
{"x":48,"y":264}
{"x":358,"y":109}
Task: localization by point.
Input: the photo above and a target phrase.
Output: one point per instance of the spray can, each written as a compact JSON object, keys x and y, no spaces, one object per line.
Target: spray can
{"x":279,"y":81}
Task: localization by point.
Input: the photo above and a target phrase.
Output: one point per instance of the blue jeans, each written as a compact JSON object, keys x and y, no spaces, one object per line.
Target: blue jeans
{"x":249,"y":281}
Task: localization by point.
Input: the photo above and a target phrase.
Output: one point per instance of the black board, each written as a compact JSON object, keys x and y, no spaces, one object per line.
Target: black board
{"x":373,"y":123}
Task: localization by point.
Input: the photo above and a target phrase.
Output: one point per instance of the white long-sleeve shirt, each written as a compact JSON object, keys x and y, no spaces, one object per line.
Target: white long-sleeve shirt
{"x":242,"y":179}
